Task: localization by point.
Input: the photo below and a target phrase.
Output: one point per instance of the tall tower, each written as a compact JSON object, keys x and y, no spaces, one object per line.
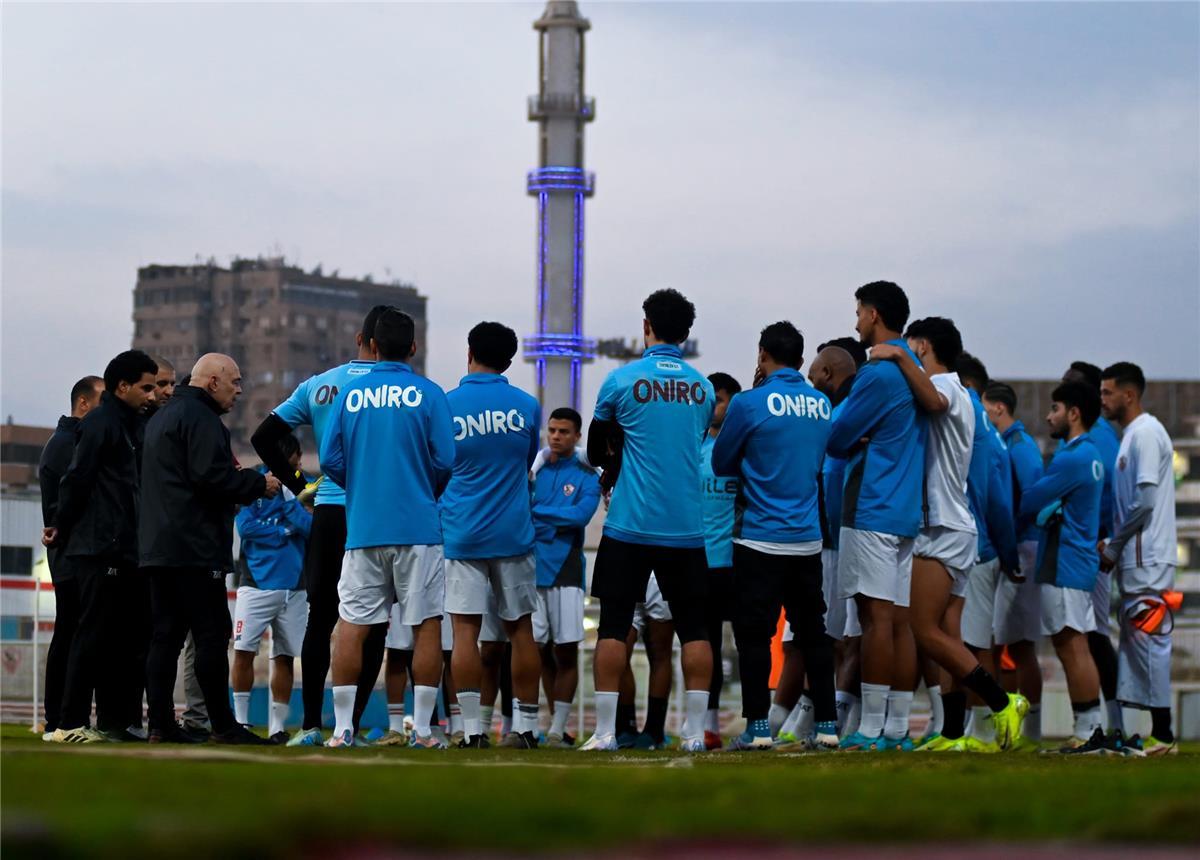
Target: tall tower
{"x":558,"y":349}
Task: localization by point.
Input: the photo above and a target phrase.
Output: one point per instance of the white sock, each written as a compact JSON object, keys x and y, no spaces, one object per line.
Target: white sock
{"x":696,"y":704}
{"x":241,"y":707}
{"x":874,"y":709}
{"x":854,"y":718}
{"x":1113,"y":711}
{"x":506,"y":721}
{"x":1032,"y":727}
{"x":937,"y":712}
{"x":518,"y":718}
{"x":845,"y":704}
{"x":279,"y":712}
{"x":792,"y":721}
{"x":562,"y":711}
{"x":468,"y":701}
{"x":712,"y":721}
{"x":1086,"y":722}
{"x":1131,"y":720}
{"x":343,"y":708}
{"x":527,"y":714}
{"x":396,"y":717}
{"x":456,"y":717}
{"x":776,"y":717}
{"x":983,"y":727}
{"x":806,"y":723}
{"x":899,"y":706}
{"x":606,"y":713}
{"x":486,"y":715}
{"x":424,"y":698}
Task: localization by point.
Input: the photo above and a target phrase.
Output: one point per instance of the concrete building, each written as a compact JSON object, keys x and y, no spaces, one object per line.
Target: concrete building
{"x":20,"y":498}
{"x":558,"y":349}
{"x":281,"y":323}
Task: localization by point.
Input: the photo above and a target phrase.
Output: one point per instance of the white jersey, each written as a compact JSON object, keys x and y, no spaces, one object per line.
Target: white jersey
{"x":1145,"y":457}
{"x":948,"y":457}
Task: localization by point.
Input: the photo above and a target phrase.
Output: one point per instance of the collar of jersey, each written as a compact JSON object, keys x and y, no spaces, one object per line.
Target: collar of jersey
{"x":664,"y":349}
{"x":482,"y":378}
{"x":1014,"y":429}
{"x":389,"y":365}
{"x":785,"y":374}
{"x":367,"y":361}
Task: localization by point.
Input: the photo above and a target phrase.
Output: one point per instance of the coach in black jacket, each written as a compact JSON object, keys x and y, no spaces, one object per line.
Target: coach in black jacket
{"x":95,"y":525}
{"x":190,"y":485}
{"x":56,"y":459}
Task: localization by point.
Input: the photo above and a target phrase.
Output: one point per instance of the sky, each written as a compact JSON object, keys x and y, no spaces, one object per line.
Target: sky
{"x":1031,"y":170}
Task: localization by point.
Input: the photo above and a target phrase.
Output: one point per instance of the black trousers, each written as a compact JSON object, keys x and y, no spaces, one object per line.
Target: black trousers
{"x":107,"y":650}
{"x":764,"y":584}
{"x":322,"y":571}
{"x":66,"y":621}
{"x":721,"y":601}
{"x":183,"y":599}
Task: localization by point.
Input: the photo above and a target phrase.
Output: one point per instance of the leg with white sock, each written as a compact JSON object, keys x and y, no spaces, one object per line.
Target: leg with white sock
{"x":426,"y":672}
{"x":283,"y":678}
{"x":345,"y":666}
{"x":241,"y":678}
{"x":876,"y":663}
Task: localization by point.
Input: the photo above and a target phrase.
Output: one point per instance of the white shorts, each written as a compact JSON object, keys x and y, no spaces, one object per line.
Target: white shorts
{"x":400,"y":636}
{"x":875,"y":565}
{"x":1066,"y":607}
{"x":955,"y":549}
{"x":1143,"y":662}
{"x":373,"y":578}
{"x":284,"y":611}
{"x":654,"y":608}
{"x":559,"y":615}
{"x":511,"y":581}
{"x":853,"y":626}
{"x":491,"y":628}
{"x":979,"y":606}
{"x":835,"y":607}
{"x":1018,"y":613}
{"x":1102,"y":601}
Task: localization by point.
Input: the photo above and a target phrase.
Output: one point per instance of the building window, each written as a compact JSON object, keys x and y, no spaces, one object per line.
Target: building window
{"x":16,"y":560}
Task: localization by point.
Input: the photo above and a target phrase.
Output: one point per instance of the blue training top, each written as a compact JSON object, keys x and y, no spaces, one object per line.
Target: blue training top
{"x":1025,"y":462}
{"x":833,"y":476}
{"x":719,"y":494}
{"x":664,"y":407}
{"x":1067,"y":546}
{"x":314,"y":402}
{"x":885,"y":478}
{"x":391,"y":446}
{"x":774,"y":437}
{"x":274,"y":533}
{"x":486,"y":506}
{"x":566,"y":494}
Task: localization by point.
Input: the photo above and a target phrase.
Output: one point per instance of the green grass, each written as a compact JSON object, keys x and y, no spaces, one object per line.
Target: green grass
{"x":111,"y":801}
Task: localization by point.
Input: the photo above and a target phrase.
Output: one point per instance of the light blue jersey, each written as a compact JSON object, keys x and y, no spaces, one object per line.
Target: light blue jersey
{"x":566,"y":494}
{"x":720,"y":493}
{"x":774,"y":439}
{"x":833,"y":476}
{"x":391,"y":446}
{"x":1025,"y":460}
{"x":486,"y":509}
{"x":314,"y":403}
{"x":664,"y":406}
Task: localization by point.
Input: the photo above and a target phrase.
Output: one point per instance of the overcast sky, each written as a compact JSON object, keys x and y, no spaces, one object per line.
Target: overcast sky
{"x":1031,"y":170}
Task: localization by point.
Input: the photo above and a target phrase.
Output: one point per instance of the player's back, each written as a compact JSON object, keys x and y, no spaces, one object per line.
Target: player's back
{"x":663,"y":406}
{"x":394,"y":438}
{"x":314,"y":402}
{"x":486,"y":506}
{"x":884,"y":477}
{"x":948,"y":451}
{"x":1073,"y":538}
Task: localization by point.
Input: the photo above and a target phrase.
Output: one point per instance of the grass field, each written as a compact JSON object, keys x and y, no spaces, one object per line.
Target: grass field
{"x":123,"y":800}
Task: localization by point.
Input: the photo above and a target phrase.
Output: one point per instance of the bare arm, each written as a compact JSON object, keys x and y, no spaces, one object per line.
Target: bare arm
{"x":923,"y":389}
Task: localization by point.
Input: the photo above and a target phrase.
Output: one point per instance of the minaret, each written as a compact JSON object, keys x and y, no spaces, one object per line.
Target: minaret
{"x":560,"y":184}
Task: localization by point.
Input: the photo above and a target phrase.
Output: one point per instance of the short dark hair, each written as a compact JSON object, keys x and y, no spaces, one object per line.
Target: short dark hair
{"x":84,"y":388}
{"x":971,"y":369}
{"x":1083,"y":397}
{"x":888,"y":300}
{"x":289,"y":445}
{"x":722,"y":381}
{"x":670,"y":315}
{"x":162,"y":363}
{"x":369,"y":321}
{"x":783,"y":342}
{"x":852,"y":345}
{"x":942,"y":335}
{"x":1088,"y":370}
{"x":1002,"y":392}
{"x":394,"y":333}
{"x":493,"y":344}
{"x":1126,"y":373}
{"x":128,"y":366}
{"x":566,"y":413}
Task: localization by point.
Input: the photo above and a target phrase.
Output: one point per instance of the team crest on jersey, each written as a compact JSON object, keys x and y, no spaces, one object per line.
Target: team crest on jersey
{"x":568,"y":489}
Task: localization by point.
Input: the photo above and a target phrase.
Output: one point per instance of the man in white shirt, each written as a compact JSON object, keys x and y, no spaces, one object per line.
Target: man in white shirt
{"x":1143,"y":551}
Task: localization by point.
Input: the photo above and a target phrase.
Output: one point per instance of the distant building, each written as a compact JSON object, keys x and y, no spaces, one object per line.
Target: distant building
{"x":20,"y":497}
{"x":281,"y":323}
